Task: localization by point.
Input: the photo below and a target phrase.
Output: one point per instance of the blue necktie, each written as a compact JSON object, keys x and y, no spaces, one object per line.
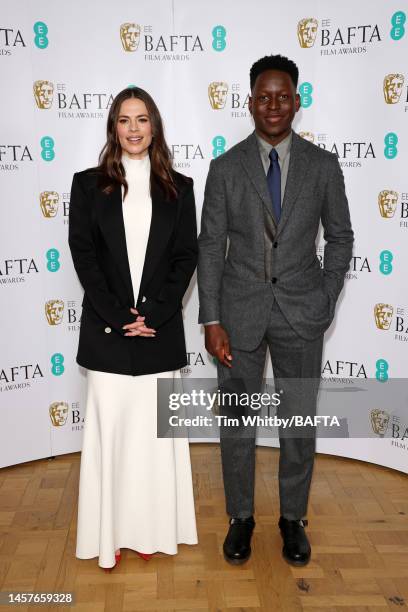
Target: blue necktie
{"x":274,"y":183}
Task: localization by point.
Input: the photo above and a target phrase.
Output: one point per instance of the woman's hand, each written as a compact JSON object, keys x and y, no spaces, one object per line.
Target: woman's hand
{"x":138,"y":328}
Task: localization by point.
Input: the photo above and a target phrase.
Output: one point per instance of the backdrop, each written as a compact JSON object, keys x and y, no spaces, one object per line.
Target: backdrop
{"x":63,"y":63}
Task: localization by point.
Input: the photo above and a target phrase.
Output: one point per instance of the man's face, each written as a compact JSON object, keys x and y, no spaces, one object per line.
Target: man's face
{"x":393,"y":88}
{"x":388,"y":203}
{"x":49,"y":203}
{"x":307,"y":32}
{"x":273,"y":104}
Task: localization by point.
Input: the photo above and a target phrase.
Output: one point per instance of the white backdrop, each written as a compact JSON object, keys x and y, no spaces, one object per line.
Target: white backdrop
{"x":62,"y":64}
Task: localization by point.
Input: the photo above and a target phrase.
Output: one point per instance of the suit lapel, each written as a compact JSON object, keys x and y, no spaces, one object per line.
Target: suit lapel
{"x":252,"y":163}
{"x":161,"y":227}
{"x":296,"y":174}
{"x":110,"y":218}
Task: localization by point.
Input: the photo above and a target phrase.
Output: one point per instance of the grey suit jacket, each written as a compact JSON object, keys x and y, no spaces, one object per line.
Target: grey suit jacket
{"x":266,"y":260}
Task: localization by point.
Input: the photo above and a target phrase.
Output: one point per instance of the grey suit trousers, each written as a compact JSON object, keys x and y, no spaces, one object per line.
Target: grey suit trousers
{"x":297,"y":367}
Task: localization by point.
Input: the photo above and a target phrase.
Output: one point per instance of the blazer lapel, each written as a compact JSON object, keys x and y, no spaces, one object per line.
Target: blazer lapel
{"x":161,"y":227}
{"x":296,"y":174}
{"x":252,"y":163}
{"x":110,"y":217}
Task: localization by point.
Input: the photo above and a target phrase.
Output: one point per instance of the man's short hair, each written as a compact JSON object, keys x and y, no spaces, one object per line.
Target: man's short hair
{"x":274,"y":62}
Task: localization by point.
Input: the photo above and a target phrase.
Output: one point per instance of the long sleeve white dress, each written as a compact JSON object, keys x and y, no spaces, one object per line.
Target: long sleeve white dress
{"x":135,"y":489}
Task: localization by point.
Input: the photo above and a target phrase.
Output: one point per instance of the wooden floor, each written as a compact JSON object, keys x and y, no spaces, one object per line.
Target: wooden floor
{"x":358,"y":527}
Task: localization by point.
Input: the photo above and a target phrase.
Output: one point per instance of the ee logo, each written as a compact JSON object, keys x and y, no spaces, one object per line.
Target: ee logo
{"x":53,"y":264}
{"x":218,"y":142}
{"x":397,"y":21}
{"x":386,"y":258}
{"x":219,"y":33}
{"x":305,"y":92}
{"x":390,"y":149}
{"x":40,"y":31}
{"x":57,"y":364}
{"x":381,"y":372}
{"x":47,"y":148}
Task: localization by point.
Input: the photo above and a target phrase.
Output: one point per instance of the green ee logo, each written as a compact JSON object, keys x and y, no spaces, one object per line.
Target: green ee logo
{"x":397,"y":21}
{"x":218,"y":142}
{"x":57,"y":364}
{"x":40,"y":31}
{"x":305,"y":92}
{"x":53,"y":264}
{"x":381,"y":372}
{"x":219,"y":33}
{"x":390,"y":149}
{"x":386,"y":258}
{"x":47,"y":148}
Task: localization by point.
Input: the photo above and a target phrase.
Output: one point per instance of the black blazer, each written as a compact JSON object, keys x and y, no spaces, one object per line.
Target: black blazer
{"x":98,"y":245}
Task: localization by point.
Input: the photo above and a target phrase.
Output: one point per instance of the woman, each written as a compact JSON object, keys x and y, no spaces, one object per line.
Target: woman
{"x":132,"y":234}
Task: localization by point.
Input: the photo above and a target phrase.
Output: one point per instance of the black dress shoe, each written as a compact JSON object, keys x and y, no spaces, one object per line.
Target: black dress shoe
{"x":296,"y":548}
{"x":237,"y":544}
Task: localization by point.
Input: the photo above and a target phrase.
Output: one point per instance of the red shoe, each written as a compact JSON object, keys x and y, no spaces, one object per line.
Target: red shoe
{"x":144,"y":556}
{"x":118,"y":557}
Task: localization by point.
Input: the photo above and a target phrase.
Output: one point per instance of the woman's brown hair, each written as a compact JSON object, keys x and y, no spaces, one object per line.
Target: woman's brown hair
{"x":110,"y":164}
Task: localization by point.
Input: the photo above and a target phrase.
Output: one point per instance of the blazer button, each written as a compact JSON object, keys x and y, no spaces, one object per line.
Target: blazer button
{"x":274,"y":280}
{"x":275,"y":244}
{"x":144,"y":298}
{"x":107,"y":330}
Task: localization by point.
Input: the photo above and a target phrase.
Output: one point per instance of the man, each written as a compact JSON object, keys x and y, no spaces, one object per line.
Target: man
{"x":267,"y":195}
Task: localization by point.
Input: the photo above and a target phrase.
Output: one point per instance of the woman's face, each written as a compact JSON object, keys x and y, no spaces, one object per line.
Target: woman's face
{"x":133,"y":128}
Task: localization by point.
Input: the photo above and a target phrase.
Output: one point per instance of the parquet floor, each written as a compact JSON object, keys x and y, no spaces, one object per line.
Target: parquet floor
{"x":358,"y":527}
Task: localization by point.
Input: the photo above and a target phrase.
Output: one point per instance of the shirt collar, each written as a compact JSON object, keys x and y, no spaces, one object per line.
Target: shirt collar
{"x":282,"y":148}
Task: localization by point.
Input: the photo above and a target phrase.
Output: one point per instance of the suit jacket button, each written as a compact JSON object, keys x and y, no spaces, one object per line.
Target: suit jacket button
{"x":274,"y":280}
{"x":275,"y":244}
{"x":107,"y":330}
{"x":144,"y":298}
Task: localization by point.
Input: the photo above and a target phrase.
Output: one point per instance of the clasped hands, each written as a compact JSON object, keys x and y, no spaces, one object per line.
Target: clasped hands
{"x":138,"y":328}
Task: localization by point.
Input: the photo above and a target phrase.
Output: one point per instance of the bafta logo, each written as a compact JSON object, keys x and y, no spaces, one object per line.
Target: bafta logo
{"x":383,"y":315}
{"x":54,"y":311}
{"x":43,"y":93}
{"x":379,"y":421}
{"x":306,"y":31}
{"x":387,"y":202}
{"x":130,"y":36}
{"x":58,"y":413}
{"x":392,"y":87}
{"x":49,"y":203}
{"x":217,"y":93}
{"x":307,"y":136}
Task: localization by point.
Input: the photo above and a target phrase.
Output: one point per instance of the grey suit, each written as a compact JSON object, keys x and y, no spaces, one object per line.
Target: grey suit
{"x":270,"y":290}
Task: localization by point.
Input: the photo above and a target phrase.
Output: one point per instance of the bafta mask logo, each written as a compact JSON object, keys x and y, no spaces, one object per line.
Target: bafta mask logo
{"x":217,"y":94}
{"x":392,"y":87}
{"x":379,"y":421}
{"x":307,"y":136}
{"x":43,"y":93}
{"x":49,"y":203}
{"x":54,"y":311}
{"x":383,"y":315}
{"x":387,"y":202}
{"x":130,"y":36}
{"x":307,"y":31}
{"x":58,"y":413}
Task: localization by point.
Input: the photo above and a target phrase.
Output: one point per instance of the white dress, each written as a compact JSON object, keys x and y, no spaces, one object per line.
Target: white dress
{"x":135,"y":490}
